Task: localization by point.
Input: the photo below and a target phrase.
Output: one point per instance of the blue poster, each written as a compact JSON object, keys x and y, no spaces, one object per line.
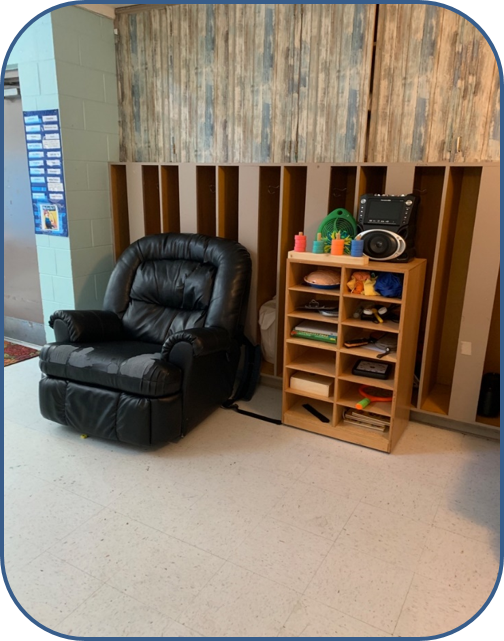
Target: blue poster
{"x":45,"y":164}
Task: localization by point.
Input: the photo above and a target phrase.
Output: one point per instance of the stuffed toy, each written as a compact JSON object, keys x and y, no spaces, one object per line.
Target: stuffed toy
{"x":362,"y":282}
{"x":356,"y":283}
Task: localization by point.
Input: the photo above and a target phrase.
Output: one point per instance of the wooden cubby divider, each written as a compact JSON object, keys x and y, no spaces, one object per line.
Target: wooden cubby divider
{"x":264,"y":206}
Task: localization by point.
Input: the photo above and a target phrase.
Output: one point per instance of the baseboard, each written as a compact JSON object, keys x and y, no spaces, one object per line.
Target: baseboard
{"x":475,"y":429}
{"x":26,"y":331}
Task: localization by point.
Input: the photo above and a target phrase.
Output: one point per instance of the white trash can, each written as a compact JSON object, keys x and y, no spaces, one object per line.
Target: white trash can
{"x":267,"y":323}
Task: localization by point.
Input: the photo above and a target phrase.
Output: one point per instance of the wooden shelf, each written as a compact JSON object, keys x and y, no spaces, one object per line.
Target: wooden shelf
{"x":366,"y":380}
{"x":352,"y":397}
{"x":314,"y":316}
{"x":315,"y":290}
{"x":317,"y":397}
{"x":378,"y":299}
{"x":386,"y":326}
{"x":318,"y":362}
{"x":363,"y":352}
{"x":487,"y":420}
{"x":362,"y":436}
{"x":337,"y":362}
{"x":438,"y":399}
{"x":310,"y":343}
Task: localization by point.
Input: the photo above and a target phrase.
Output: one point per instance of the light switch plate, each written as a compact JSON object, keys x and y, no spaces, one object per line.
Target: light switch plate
{"x":466,"y":348}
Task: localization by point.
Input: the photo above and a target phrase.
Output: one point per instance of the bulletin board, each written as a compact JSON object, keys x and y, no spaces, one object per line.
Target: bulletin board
{"x":45,"y":163}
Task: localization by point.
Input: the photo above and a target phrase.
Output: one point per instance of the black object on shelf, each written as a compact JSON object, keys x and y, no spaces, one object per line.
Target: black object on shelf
{"x":489,"y":398}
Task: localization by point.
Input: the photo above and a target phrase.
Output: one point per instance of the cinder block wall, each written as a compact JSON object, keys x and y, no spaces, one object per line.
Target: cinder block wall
{"x":66,"y":61}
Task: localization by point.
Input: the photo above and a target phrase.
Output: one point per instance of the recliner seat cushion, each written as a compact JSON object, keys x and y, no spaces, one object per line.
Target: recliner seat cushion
{"x":128,"y":366}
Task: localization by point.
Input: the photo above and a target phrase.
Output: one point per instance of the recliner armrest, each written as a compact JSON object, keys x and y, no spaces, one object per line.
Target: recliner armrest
{"x":204,"y":341}
{"x":86,"y":326}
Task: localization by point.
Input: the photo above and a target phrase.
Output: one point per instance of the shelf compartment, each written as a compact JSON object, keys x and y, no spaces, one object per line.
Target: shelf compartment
{"x":297,"y":416}
{"x":293,"y":199}
{"x":228,"y":202}
{"x":342,"y":188}
{"x":318,"y":362}
{"x":206,"y":199}
{"x":348,"y":362}
{"x":365,"y":380}
{"x":363,"y":352}
{"x":349,"y":396}
{"x":311,"y":343}
{"x":316,"y":397}
{"x":170,"y":199}
{"x":362,"y":436}
{"x":371,"y":299}
{"x":386,"y":326}
{"x":372,"y":180}
{"x":151,"y":199}
{"x":314,"y":290}
{"x":448,"y":288}
{"x":438,"y":399}
{"x":315,"y":316}
{"x":120,"y":213}
{"x":350,"y":399}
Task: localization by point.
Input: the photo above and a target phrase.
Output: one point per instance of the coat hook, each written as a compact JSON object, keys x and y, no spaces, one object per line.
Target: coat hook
{"x":272,"y":189}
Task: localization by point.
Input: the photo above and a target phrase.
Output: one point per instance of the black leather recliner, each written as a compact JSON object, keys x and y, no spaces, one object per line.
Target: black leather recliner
{"x":163,"y":353}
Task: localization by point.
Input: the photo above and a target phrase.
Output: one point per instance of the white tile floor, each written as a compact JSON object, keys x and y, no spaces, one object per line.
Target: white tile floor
{"x":245,"y":528}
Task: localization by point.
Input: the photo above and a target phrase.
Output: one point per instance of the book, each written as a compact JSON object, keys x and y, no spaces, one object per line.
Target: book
{"x":325,"y":338}
{"x":367,"y":420}
{"x":316,"y":327}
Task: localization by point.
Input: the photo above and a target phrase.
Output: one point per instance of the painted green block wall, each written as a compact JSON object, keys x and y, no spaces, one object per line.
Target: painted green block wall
{"x":66,"y":61}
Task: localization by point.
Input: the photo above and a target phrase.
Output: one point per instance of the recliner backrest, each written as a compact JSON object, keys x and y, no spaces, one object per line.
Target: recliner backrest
{"x":166,"y":283}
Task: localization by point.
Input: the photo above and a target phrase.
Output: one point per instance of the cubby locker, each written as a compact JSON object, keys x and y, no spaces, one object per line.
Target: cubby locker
{"x":227,"y":200}
{"x":120,"y":213}
{"x":447,"y":291}
{"x":492,"y":357}
{"x":346,"y":364}
{"x":170,"y":199}
{"x":372,"y":180}
{"x":206,"y":199}
{"x":267,"y":244}
{"x":342,"y":188}
{"x":428,"y":185}
{"x":293,"y":196}
{"x":151,"y":199}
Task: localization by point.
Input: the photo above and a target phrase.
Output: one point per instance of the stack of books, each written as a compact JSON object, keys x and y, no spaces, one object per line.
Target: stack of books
{"x":368,"y":420}
{"x":316,"y":331}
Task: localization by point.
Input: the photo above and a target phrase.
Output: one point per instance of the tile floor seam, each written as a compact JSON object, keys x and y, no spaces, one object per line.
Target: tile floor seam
{"x":413,"y":574}
{"x":329,"y":551}
{"x":81,"y":603}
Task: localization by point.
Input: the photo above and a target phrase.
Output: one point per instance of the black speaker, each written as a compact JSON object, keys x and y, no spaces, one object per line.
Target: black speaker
{"x":387,"y":225}
{"x":489,"y":398}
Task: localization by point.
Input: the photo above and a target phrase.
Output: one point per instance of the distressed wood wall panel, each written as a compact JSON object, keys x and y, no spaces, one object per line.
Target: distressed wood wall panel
{"x":434,"y":84}
{"x":245,"y":83}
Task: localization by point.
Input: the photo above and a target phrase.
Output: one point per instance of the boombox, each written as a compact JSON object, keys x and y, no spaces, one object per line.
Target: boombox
{"x":387,"y":225}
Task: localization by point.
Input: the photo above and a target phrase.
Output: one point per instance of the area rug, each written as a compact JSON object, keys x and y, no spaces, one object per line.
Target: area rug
{"x":14,"y":353}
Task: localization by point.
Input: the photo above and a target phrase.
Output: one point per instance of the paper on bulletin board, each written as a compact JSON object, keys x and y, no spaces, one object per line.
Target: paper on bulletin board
{"x":45,"y":163}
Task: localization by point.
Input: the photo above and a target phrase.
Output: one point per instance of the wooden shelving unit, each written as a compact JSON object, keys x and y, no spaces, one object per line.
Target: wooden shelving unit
{"x":336,"y":361}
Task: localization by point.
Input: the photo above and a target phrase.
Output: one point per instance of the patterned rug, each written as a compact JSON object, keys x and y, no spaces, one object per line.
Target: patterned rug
{"x":14,"y":353}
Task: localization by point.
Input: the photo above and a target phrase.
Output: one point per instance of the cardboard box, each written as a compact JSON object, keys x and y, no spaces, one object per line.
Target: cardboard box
{"x":313,"y":383}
